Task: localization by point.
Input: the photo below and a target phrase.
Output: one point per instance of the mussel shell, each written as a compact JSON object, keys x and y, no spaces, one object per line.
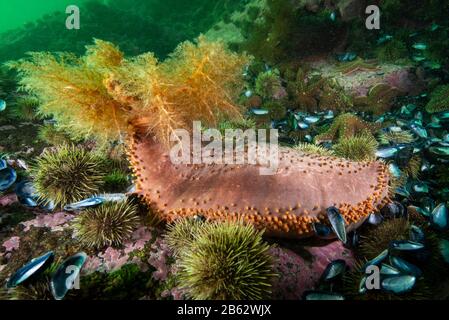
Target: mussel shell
{"x":7,"y":178}
{"x":419,"y":130}
{"x":405,"y":267}
{"x":83,"y":204}
{"x":362,"y":285}
{"x":375,"y":219}
{"x":199,"y":218}
{"x":353,"y":239}
{"x":427,"y":203}
{"x":3,"y":164}
{"x":387,"y":270}
{"x":420,"y":187}
{"x":394,"y":210}
{"x":405,"y":245}
{"x":311,"y":119}
{"x":26,"y":194}
{"x":421,"y":211}
{"x":66,"y":274}
{"x":321,"y":230}
{"x":399,"y":284}
{"x":379,"y":259}
{"x":439,"y":150}
{"x":259,"y":112}
{"x":440,"y":217}
{"x":416,"y":234}
{"x":337,"y":222}
{"x":112,"y":197}
{"x":402,"y":191}
{"x":387,"y":152}
{"x":404,"y":155}
{"x":32,"y":268}
{"x":334,"y":270}
{"x":321,"y":295}
{"x":394,"y":170}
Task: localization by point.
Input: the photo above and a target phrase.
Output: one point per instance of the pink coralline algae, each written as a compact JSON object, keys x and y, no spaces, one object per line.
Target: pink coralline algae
{"x":113,"y":259}
{"x":55,"y":221}
{"x":297,"y":274}
{"x":405,"y":81}
{"x":8,"y":200}
{"x":138,"y":240}
{"x":175,"y":293}
{"x":92,"y":264}
{"x":159,"y":259}
{"x":11,"y":244}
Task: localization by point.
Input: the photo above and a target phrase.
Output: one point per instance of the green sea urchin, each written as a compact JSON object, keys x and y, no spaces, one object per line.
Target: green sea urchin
{"x":67,"y":175}
{"x":276,"y":110}
{"x":26,"y":108}
{"x":347,"y":125}
{"x":439,"y":100}
{"x":310,"y":148}
{"x":267,"y":83}
{"x":378,"y":239}
{"x":227,"y":260}
{"x":358,"y":148}
{"x":182,"y":233}
{"x":107,"y":225}
{"x":396,"y":137}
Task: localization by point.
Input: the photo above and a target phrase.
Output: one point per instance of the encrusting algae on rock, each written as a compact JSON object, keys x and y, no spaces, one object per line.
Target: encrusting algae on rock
{"x":106,"y":95}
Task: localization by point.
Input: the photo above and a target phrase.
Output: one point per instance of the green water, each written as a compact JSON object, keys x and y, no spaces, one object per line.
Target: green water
{"x":23,"y":11}
{"x":136,"y":26}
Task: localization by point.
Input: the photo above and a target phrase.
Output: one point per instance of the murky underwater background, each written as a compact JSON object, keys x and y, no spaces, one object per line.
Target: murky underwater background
{"x":334,"y":88}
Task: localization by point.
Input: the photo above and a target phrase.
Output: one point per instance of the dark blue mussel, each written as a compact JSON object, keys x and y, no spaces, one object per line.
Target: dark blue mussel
{"x":388,"y":270}
{"x":83,"y":204}
{"x":321,"y":295}
{"x":416,"y":234}
{"x":321,"y":230}
{"x":33,"y":268}
{"x":346,"y":56}
{"x":404,"y":155}
{"x":440,"y":217}
{"x":379,"y":259}
{"x":337,"y":222}
{"x":362,"y":285}
{"x":65,"y":276}
{"x":399,"y":284}
{"x":404,"y":245}
{"x":375,"y":219}
{"x":7,"y":178}
{"x":28,"y":196}
{"x":3,"y":164}
{"x":394,"y":210}
{"x":334,"y":270}
{"x":405,"y":267}
{"x":26,"y":193}
{"x":353,"y":239}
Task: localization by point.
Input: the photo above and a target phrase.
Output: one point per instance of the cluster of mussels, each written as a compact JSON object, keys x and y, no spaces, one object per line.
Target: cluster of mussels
{"x":63,"y":277}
